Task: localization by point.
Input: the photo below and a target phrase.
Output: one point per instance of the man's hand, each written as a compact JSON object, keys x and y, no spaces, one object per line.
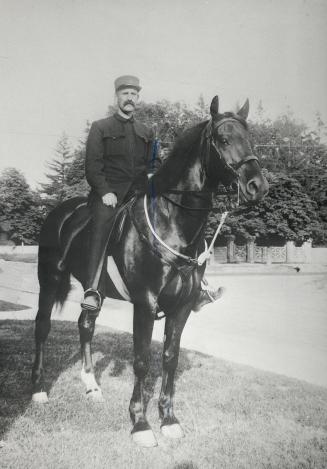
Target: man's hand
{"x":110,"y":199}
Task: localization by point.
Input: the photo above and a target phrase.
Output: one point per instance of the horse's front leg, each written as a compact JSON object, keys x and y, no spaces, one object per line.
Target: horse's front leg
{"x":143,"y":321}
{"x":86,"y":325}
{"x":174,"y":326}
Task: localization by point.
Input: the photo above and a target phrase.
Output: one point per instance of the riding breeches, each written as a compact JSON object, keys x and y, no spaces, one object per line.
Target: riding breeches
{"x":102,"y":221}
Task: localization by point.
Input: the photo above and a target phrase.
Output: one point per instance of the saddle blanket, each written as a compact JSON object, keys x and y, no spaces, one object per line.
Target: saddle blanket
{"x":117,"y":280}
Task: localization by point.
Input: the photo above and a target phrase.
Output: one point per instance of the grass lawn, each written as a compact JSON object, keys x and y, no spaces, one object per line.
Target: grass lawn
{"x":8,"y":306}
{"x":233,"y":416}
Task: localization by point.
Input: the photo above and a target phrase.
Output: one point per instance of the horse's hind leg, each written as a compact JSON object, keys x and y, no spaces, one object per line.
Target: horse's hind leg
{"x":142,"y":333}
{"x":174,"y":326}
{"x":86,"y":325}
{"x":49,"y":289}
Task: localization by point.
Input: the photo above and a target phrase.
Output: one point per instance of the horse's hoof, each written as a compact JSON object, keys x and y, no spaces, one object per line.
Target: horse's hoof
{"x":172,"y":431}
{"x":95,"y":395}
{"x":145,"y":439}
{"x":40,"y":397}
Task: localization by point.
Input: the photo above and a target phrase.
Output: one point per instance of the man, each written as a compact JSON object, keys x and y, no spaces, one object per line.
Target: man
{"x":118,"y":163}
{"x":118,"y":159}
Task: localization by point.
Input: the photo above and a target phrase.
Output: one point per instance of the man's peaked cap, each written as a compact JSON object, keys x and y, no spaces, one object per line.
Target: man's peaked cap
{"x":127,"y":81}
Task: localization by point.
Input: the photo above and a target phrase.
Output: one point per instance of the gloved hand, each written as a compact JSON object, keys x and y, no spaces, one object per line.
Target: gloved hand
{"x":110,"y":199}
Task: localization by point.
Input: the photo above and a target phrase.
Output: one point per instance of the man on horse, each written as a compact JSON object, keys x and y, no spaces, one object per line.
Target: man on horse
{"x":120,"y":158}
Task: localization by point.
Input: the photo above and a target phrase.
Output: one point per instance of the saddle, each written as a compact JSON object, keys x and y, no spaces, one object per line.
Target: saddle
{"x":81,"y":216}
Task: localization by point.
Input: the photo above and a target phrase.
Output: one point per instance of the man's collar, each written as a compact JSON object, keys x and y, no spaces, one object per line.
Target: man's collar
{"x":123,"y":119}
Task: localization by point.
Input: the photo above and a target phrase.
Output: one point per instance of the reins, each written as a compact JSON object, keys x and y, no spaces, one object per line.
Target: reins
{"x":225,"y":192}
{"x":202,"y":257}
{"x":186,"y":207}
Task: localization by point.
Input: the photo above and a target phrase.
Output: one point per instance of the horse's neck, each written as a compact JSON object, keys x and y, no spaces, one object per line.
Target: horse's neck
{"x":193,"y":178}
{"x":181,"y":218}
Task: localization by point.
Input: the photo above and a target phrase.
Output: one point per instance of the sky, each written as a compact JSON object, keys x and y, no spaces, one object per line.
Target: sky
{"x":59,"y":58}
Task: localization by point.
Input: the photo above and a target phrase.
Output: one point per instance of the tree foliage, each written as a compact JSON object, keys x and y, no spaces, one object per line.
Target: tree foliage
{"x":168,"y":120}
{"x":54,"y":191}
{"x":287,"y":147}
{"x":76,"y":184}
{"x":67,"y":173}
{"x":21,"y":209}
{"x":286,"y":213}
{"x":285,"y":144}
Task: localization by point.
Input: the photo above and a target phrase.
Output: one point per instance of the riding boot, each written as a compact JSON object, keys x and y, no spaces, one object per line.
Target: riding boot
{"x":102,"y":222}
{"x":93,"y":298}
{"x":207,"y":294}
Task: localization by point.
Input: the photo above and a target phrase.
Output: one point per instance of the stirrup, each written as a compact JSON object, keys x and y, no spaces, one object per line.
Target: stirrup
{"x":90,"y":307}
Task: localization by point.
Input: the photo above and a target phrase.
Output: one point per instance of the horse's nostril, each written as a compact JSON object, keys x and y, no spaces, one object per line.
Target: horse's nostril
{"x":252,"y":187}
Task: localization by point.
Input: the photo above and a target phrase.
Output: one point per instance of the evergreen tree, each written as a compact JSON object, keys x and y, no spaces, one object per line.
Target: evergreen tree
{"x":55,"y":191}
{"x":21,"y":209}
{"x":76,"y":181}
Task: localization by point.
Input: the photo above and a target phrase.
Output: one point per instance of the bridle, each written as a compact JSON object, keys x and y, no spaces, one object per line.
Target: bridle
{"x":208,"y":143}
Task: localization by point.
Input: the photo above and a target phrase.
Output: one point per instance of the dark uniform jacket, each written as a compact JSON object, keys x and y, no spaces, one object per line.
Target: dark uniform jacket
{"x":116,"y":162}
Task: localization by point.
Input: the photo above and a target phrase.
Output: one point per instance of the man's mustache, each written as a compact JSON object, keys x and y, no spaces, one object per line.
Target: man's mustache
{"x":129,"y":102}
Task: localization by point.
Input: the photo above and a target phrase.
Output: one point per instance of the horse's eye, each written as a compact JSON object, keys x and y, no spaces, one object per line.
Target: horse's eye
{"x":224,"y":140}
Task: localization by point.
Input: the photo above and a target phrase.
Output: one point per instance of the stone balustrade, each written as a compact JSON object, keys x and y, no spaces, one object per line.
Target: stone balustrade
{"x":252,"y":253}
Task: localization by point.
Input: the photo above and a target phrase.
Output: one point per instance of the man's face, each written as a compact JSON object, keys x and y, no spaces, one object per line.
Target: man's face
{"x":127,"y":99}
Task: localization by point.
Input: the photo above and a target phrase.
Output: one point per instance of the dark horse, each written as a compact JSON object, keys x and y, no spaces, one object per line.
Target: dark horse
{"x":155,"y":255}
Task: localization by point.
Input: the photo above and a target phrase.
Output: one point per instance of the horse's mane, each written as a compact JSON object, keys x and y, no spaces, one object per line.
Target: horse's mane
{"x":180,"y":156}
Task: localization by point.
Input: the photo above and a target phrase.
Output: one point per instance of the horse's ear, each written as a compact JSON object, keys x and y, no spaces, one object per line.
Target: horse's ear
{"x":244,"y":111}
{"x":214,"y":107}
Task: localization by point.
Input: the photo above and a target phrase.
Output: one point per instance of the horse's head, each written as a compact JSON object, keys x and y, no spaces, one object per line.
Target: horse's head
{"x":229,"y":158}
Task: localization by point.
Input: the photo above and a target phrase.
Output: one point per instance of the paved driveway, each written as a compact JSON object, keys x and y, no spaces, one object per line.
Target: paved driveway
{"x":273,"y":322}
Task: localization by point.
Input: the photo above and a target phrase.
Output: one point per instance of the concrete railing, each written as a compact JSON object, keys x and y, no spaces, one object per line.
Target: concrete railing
{"x":251,"y":253}
{"x":319,"y":256}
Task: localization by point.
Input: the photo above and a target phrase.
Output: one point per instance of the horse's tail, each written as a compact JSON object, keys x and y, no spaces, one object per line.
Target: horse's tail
{"x":54,"y":282}
{"x":53,"y":273}
{"x":63,"y":288}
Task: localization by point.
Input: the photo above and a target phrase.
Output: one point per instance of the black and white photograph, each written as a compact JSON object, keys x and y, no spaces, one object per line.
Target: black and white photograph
{"x":163,"y":234}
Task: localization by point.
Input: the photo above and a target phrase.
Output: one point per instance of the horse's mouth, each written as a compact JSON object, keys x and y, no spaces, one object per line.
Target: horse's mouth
{"x":242,"y":196}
